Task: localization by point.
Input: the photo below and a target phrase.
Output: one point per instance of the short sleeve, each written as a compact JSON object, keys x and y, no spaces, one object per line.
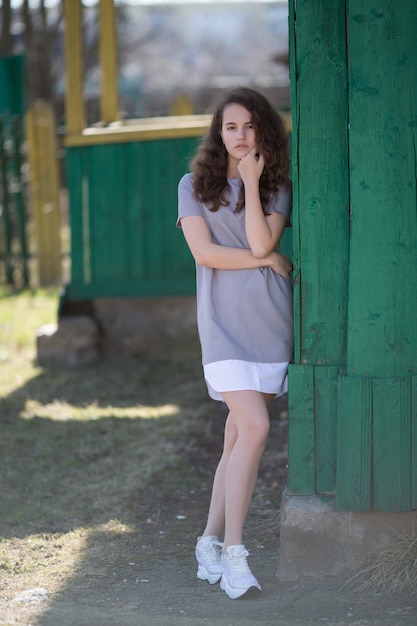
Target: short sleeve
{"x":282,"y":202}
{"x":187,"y":204}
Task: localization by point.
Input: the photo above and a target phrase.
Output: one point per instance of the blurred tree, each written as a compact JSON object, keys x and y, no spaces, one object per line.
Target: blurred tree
{"x":161,"y":48}
{"x":40,"y":36}
{"x":37,"y":29}
{"x":6,"y":43}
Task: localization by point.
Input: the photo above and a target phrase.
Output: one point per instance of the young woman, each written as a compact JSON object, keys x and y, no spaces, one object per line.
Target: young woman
{"x":233,"y":209}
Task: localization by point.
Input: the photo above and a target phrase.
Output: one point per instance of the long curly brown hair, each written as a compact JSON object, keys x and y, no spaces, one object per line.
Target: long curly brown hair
{"x":209,"y":165}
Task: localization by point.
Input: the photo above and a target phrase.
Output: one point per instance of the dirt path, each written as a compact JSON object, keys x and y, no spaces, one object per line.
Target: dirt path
{"x":149,"y":578}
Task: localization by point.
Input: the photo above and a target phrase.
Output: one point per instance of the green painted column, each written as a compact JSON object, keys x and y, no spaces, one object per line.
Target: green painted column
{"x":382,"y":299}
{"x":321,"y":238}
{"x":382,"y":152}
{"x":353,"y":402}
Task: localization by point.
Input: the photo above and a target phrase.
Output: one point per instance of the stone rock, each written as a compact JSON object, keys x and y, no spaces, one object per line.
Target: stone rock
{"x":72,"y":342}
{"x":32,"y":595}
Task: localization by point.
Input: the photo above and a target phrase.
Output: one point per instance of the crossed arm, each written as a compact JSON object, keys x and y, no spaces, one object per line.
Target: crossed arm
{"x":209,"y":254}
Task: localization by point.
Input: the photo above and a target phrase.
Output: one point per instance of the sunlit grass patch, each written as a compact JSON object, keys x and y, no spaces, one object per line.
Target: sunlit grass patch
{"x":48,"y":558}
{"x":60,"y":410}
{"x":21,"y":314}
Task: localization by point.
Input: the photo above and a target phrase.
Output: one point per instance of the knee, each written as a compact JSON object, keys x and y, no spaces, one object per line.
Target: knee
{"x":257,"y":430}
{"x":230,"y":436}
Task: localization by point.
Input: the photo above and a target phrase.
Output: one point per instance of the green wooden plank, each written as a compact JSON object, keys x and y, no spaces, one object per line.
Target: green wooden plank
{"x":130,"y":289}
{"x":383,"y":120}
{"x":124,"y":207}
{"x":19,"y":196}
{"x":391,"y":444}
{"x":5,"y":212}
{"x":181,"y":261}
{"x":167,"y":252}
{"x":414,"y":442}
{"x":107,"y":211}
{"x":301,"y":436}
{"x":321,"y":152}
{"x":155,"y":179}
{"x":13,"y":84}
{"x":168,"y":199}
{"x":326,"y":386}
{"x":135,"y":175}
{"x":353,"y":479}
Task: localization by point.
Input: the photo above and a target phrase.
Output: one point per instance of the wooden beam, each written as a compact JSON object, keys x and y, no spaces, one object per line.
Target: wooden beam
{"x":74,"y":92}
{"x":382,"y":331}
{"x":44,"y":186}
{"x":354,"y":451}
{"x":147,"y":129}
{"x":109,"y":98}
{"x":321,"y":181}
{"x":391,"y":444}
{"x":325,"y":401}
{"x":301,"y":430}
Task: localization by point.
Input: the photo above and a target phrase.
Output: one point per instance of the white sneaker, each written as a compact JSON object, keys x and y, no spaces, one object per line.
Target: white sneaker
{"x":237,"y":578}
{"x":208,"y":552}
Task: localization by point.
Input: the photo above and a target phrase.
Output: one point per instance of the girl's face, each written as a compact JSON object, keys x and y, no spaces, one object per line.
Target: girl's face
{"x":238,"y":133}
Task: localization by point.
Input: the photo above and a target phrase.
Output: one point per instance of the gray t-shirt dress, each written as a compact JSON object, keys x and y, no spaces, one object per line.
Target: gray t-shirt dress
{"x":242,"y":315}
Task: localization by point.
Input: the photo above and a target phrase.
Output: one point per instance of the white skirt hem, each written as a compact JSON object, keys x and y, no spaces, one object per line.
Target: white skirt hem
{"x":238,"y":375}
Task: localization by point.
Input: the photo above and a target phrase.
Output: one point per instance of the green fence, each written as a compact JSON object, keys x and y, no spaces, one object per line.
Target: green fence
{"x":14,"y":256}
{"x":12,"y":85}
{"x":13,"y":238}
{"x":123,"y":200}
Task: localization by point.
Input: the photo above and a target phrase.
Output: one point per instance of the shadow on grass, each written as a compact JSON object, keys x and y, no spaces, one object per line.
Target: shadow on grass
{"x":94,"y":462}
{"x":70,"y":436}
{"x":106,"y":476}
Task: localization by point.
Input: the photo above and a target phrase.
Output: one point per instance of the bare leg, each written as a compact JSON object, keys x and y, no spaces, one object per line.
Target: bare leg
{"x":250,"y":411}
{"x":216,"y":515}
{"x":246,"y":431}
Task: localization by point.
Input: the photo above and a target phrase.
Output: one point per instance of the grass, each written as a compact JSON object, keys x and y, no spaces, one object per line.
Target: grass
{"x":80,"y":447}
{"x":392,"y":570}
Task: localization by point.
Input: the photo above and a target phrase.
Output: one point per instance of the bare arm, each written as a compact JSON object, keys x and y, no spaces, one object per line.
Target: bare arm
{"x":263,"y":231}
{"x":209,"y":254}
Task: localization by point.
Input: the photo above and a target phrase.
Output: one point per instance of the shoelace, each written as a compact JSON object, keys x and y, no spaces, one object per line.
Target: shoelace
{"x":209,"y":550}
{"x":238,"y":563}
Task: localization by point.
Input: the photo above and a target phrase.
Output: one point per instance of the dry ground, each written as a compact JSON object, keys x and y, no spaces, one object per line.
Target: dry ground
{"x":105,"y":479}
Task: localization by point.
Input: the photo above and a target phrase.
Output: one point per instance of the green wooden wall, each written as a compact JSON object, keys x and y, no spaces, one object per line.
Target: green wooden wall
{"x":123,"y":199}
{"x":353,"y":398}
{"x":123,"y":209}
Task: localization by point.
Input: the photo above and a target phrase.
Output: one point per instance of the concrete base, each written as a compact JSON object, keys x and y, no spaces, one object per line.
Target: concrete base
{"x":316,"y":540}
{"x":164,"y":327}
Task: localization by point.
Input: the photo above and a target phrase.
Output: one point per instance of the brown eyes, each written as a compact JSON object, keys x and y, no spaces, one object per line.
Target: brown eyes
{"x":247,"y":127}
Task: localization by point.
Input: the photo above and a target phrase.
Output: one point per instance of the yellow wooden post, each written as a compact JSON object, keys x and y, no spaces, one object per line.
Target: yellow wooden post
{"x":44,"y":191}
{"x":74,"y":93}
{"x":109,"y":100}
{"x":181,"y":105}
